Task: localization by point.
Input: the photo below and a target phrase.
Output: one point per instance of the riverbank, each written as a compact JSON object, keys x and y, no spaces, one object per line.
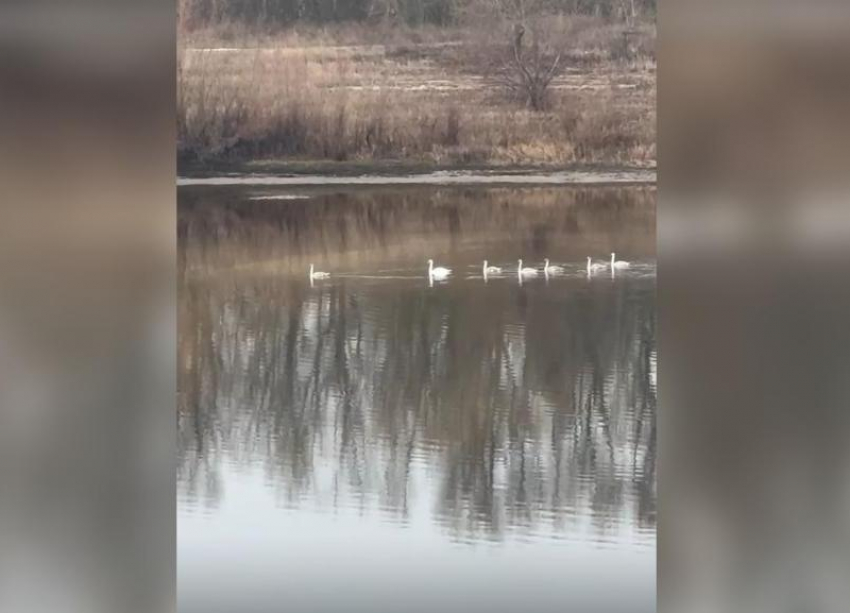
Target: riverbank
{"x":278,"y":173}
{"x":320,"y":99}
{"x":389,"y":168}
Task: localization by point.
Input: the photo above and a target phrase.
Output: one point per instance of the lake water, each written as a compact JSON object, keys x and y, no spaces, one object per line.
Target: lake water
{"x":374,"y":442}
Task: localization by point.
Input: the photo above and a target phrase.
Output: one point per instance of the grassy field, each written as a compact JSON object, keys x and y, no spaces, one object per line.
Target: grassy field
{"x":420,"y":97}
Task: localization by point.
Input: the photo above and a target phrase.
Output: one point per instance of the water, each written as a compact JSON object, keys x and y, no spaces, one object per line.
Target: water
{"x":627,"y":176}
{"x":374,"y":443}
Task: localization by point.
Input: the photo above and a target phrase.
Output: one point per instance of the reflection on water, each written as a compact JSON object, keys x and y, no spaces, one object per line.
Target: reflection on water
{"x":329,"y":433}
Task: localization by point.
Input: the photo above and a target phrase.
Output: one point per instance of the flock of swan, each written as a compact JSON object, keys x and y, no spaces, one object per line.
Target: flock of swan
{"x":440,"y":273}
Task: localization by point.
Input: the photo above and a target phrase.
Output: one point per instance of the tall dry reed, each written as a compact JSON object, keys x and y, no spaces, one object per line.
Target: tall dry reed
{"x":421,"y":102}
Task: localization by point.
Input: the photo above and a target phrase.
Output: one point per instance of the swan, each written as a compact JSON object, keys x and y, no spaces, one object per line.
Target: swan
{"x":317,"y":274}
{"x":551,"y":270}
{"x":619,"y":264}
{"x":492,"y":270}
{"x":439,"y":272}
{"x":595,"y":266}
{"x":525,"y":272}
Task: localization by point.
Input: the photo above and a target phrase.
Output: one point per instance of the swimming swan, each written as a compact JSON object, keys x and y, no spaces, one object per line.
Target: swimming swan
{"x":316,"y":274}
{"x":439,"y":272}
{"x":595,"y":266}
{"x":619,"y":264}
{"x":525,"y":272}
{"x":551,"y":270}
{"x":492,"y":270}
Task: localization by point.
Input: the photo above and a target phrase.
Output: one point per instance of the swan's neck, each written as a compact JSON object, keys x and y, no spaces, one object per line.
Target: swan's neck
{"x":311,"y":270}
{"x":612,"y":258}
{"x":430,"y":267}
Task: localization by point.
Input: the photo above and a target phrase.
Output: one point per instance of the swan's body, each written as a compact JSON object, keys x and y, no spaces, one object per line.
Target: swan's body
{"x":439,"y":272}
{"x":490,"y":270}
{"x":525,"y":272}
{"x":552,"y":270}
{"x":317,"y":274}
{"x":618,"y":264}
{"x":594,"y":266}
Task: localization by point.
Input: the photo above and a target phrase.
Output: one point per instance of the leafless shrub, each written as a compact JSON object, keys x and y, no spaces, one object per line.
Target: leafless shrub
{"x":519,"y":49}
{"x":528,"y":70}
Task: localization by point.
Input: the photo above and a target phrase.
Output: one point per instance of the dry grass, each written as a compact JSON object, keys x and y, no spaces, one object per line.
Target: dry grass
{"x":314,"y":95}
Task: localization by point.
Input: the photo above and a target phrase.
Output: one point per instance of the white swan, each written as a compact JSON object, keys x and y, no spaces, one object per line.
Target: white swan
{"x":439,"y":272}
{"x":551,"y":270}
{"x":317,"y":274}
{"x":491,"y":270}
{"x":618,"y":264}
{"x":525,"y":272}
{"x":595,"y":266}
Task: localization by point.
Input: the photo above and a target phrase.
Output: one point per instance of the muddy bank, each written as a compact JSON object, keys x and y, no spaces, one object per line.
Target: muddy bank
{"x":405,"y":173}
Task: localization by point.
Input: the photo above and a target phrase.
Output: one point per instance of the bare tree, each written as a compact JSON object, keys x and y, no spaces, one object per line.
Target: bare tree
{"x":529,"y":70}
{"x":527,"y":65}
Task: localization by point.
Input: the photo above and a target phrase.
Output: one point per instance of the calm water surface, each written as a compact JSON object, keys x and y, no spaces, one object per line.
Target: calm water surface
{"x":374,"y":443}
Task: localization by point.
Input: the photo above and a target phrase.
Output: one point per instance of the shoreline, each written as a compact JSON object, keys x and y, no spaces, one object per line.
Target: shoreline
{"x":407,"y":173}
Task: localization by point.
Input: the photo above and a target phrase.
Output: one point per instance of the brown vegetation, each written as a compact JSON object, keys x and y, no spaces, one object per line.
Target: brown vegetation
{"x":432,"y":95}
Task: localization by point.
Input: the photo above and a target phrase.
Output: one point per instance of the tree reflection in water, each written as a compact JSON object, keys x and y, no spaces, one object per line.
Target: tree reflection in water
{"x":525,"y":410}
